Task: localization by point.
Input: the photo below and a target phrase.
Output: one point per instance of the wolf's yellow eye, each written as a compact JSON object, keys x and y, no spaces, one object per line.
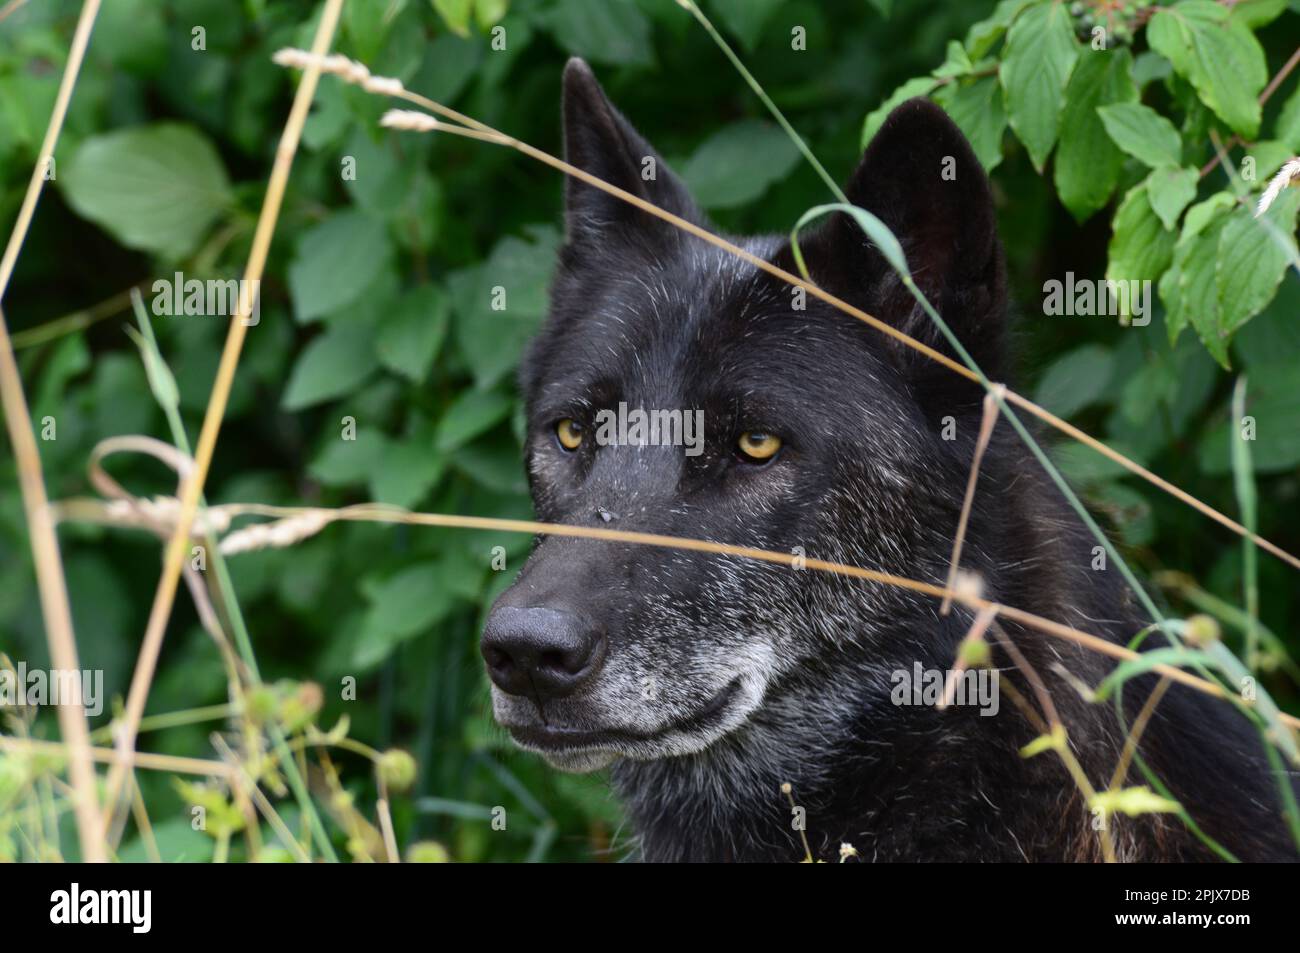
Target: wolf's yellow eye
{"x":758,"y":446}
{"x":570,"y":433}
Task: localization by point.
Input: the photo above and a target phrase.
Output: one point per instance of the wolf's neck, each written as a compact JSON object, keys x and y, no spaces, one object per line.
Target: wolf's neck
{"x":893,"y":782}
{"x":728,"y":803}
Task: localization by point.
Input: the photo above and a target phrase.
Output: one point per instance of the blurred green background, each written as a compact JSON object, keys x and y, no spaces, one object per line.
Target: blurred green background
{"x":376,"y":306}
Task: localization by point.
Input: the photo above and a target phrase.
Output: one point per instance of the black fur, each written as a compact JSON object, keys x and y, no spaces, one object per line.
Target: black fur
{"x":644,"y":314}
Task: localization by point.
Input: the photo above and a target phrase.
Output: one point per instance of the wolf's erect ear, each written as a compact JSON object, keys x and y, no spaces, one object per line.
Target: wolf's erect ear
{"x":920,"y":177}
{"x":597,"y":139}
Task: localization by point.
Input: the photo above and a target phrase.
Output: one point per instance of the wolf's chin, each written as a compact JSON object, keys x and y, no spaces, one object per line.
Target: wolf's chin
{"x":580,"y":762}
{"x":740,"y":700}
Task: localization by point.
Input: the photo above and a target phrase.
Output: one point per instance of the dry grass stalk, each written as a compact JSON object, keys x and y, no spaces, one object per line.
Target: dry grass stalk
{"x":1135,"y":733}
{"x":9,"y":8}
{"x":967,"y":595}
{"x":165,"y":595}
{"x":140,"y":759}
{"x":40,"y":525}
{"x":991,"y":401}
{"x":386,"y":827}
{"x":249,"y":786}
{"x":975,"y":634}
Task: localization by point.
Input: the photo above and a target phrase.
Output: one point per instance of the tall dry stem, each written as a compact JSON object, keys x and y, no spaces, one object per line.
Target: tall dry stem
{"x":45,"y":544}
{"x":165,"y":595}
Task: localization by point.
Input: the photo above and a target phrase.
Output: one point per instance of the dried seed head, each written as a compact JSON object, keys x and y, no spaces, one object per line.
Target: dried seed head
{"x":409,"y":119}
{"x":336,"y":64}
{"x":1288,"y":175}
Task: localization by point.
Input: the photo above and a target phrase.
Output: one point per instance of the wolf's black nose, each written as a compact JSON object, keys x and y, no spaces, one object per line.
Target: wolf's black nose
{"x":540,"y":652}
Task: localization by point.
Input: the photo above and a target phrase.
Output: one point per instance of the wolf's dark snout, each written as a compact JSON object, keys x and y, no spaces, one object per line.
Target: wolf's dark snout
{"x":539,"y":652}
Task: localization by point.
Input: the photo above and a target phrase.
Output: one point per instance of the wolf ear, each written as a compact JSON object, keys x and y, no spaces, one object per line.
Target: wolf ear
{"x":597,"y":139}
{"x":920,"y":177}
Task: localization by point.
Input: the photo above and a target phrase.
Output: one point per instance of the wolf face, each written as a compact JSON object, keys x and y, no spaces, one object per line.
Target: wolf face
{"x":709,"y":681}
{"x":602,"y":651}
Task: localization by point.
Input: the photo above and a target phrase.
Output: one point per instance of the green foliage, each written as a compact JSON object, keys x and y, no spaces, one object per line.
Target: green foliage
{"x":157,"y":188}
{"x":1069,"y":81}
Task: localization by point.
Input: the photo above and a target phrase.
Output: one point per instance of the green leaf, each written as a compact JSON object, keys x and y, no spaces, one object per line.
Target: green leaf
{"x":745,"y":18}
{"x":1148,"y":67}
{"x":329,"y":117}
{"x":335,"y":262}
{"x":1263,"y":159}
{"x":1170,"y":190}
{"x":401,"y":606}
{"x":921,"y":86}
{"x":1053,"y":741}
{"x":977,"y":109}
{"x":161,"y":380}
{"x":1084,"y":466}
{"x":155,"y":188}
{"x":1256,"y":13}
{"x":1133,"y":802}
{"x":132,"y":35}
{"x":450,"y":63}
{"x":1129,"y":510}
{"x":488,"y":13}
{"x":1088,"y":163}
{"x":738,"y":163}
{"x":1219,"y":56}
{"x":1273,"y":337}
{"x":455,"y":13}
{"x":470,"y":415}
{"x":876,"y":230}
{"x":409,"y":469}
{"x":177,"y":842}
{"x":411,"y":334}
{"x":1075,"y":380}
{"x":366,"y":24}
{"x":956,"y":62}
{"x":1140,"y":246}
{"x":492,"y":464}
{"x":1203,"y":213}
{"x":1272,"y":402}
{"x":1253,"y":256}
{"x":1288,"y":121}
{"x":493,"y":340}
{"x":330,"y":366}
{"x":1143,"y":133}
{"x":1194,"y":298}
{"x":983,"y":36}
{"x":381,"y":181}
{"x":1040,"y":54}
{"x":603,"y":31}
{"x":343,"y":462}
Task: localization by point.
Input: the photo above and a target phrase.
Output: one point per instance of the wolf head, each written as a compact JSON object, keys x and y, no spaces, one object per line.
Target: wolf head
{"x":821,"y":437}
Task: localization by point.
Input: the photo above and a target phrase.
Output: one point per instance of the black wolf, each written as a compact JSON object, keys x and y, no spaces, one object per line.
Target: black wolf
{"x":706,"y":682}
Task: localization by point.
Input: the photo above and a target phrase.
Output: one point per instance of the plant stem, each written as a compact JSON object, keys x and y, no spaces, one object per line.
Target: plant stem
{"x":53,"y":587}
{"x":165,"y":595}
